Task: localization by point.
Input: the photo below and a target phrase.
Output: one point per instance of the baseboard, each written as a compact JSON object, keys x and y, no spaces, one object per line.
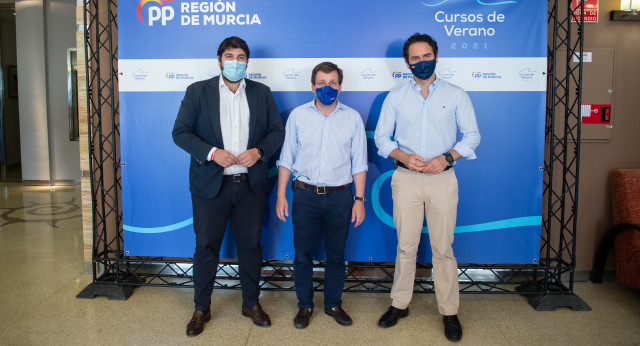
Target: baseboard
{"x":49,"y":183}
{"x":36,"y":183}
{"x":67,"y":183}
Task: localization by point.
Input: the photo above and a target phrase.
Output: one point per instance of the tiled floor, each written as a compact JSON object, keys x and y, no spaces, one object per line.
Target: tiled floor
{"x":41,"y":271}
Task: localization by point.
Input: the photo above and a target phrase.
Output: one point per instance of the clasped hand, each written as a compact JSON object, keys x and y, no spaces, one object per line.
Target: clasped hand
{"x":226,"y":159}
{"x":434,"y":166}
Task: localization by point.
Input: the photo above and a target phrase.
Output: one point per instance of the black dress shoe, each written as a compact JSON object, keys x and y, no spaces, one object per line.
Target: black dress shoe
{"x":257,"y":315}
{"x":390,"y":318}
{"x":452,"y":327}
{"x":196,"y":325}
{"x":339,"y":315}
{"x":302,"y":318}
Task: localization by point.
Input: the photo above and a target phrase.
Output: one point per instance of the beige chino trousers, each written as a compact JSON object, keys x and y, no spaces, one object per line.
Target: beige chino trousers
{"x":416,"y":195}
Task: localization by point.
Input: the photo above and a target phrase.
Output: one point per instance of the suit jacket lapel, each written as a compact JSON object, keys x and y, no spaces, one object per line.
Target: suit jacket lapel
{"x":213,"y":101}
{"x":252,"y":100}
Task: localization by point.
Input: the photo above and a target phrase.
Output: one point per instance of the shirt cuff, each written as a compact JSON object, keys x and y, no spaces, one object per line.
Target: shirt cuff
{"x":286,"y":165}
{"x":211,"y":153}
{"x":465,"y":151}
{"x":358,"y":169}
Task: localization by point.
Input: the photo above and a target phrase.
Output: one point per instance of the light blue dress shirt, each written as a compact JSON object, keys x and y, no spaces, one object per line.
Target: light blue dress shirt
{"x":427,"y":127}
{"x":324,"y":150}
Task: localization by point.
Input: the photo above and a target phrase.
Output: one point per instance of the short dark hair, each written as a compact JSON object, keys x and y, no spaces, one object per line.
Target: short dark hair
{"x":233,"y":42}
{"x":418,"y":37}
{"x":326,"y":67}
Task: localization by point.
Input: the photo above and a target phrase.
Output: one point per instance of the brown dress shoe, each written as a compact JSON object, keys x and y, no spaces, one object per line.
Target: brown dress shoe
{"x":196,"y":325}
{"x":257,"y":315}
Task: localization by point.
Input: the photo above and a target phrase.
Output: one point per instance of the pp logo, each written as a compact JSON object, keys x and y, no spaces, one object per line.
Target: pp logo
{"x":397,"y":75}
{"x":162,"y":13}
{"x":476,"y":74}
{"x":171,"y":75}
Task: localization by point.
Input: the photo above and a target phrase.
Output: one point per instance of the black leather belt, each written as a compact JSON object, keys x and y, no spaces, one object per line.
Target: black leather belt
{"x":400,"y":164}
{"x":320,"y":190}
{"x":235,"y":178}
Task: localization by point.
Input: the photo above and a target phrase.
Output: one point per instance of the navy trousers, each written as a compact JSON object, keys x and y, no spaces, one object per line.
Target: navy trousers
{"x":244,"y":209}
{"x":315,"y":216}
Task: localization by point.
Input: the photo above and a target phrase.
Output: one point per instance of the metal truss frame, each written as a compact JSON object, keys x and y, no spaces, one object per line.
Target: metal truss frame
{"x":548,"y":284}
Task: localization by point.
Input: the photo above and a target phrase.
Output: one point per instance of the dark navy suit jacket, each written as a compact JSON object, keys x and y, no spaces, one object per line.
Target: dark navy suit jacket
{"x":197,"y":130}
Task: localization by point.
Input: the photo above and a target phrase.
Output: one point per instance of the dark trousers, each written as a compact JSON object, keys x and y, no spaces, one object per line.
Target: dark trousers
{"x":316,"y":216}
{"x":236,"y":203}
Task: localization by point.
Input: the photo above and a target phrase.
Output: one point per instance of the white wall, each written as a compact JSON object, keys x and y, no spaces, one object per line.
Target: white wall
{"x":60,"y":36}
{"x":45,"y":29}
{"x":34,"y":134}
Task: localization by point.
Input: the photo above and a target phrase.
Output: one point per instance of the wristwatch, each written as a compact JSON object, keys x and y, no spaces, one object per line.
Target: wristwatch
{"x":361,"y":199}
{"x":261,"y":153}
{"x":449,"y":159}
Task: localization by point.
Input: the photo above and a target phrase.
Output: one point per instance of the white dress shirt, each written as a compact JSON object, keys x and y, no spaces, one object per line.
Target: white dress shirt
{"x":234,"y":123}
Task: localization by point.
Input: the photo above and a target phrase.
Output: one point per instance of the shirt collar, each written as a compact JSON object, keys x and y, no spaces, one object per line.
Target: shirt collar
{"x":221,"y":84}
{"x":432,"y":87}
{"x":312,"y":104}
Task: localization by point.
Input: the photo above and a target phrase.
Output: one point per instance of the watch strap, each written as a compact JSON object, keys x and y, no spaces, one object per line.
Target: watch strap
{"x":261,"y":153}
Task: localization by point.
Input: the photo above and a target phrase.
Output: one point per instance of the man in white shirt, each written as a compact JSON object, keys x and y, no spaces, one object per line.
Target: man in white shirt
{"x":230,"y":126}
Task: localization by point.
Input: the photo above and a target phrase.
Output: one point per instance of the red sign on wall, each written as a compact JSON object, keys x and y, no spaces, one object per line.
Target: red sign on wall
{"x":590,"y":11}
{"x":595,"y":114}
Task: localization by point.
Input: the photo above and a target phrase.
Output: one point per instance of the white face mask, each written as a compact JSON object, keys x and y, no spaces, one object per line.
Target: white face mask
{"x":234,"y":70}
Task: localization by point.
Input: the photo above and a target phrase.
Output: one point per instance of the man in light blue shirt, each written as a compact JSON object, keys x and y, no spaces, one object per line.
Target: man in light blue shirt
{"x":418,"y":127}
{"x":325,"y":148}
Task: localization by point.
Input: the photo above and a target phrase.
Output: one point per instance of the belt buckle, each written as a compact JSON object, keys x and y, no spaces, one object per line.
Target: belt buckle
{"x":321,"y":190}
{"x":236,"y":178}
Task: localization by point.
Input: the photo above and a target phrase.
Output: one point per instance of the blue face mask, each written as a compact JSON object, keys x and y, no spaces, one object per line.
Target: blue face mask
{"x":424,"y":69}
{"x":234,"y":70}
{"x":326,"y":94}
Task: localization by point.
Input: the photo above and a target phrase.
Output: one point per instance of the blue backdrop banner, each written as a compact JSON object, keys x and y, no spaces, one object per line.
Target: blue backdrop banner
{"x":494,"y":49}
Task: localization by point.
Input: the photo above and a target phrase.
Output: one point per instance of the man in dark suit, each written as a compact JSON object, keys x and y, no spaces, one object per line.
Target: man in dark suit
{"x":230,"y":126}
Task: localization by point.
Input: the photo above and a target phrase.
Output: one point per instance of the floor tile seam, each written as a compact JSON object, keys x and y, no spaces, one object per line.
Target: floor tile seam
{"x":246,"y":342}
{"x":75,"y":263}
{"x":506,"y":339}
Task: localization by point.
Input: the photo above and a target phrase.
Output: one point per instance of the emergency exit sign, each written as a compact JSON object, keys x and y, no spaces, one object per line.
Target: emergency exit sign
{"x":590,"y":11}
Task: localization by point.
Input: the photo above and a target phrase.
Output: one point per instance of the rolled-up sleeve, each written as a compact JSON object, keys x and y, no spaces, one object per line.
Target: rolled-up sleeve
{"x":468,"y":127}
{"x":288,"y":153}
{"x":385,"y":128}
{"x":359,"y":148}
